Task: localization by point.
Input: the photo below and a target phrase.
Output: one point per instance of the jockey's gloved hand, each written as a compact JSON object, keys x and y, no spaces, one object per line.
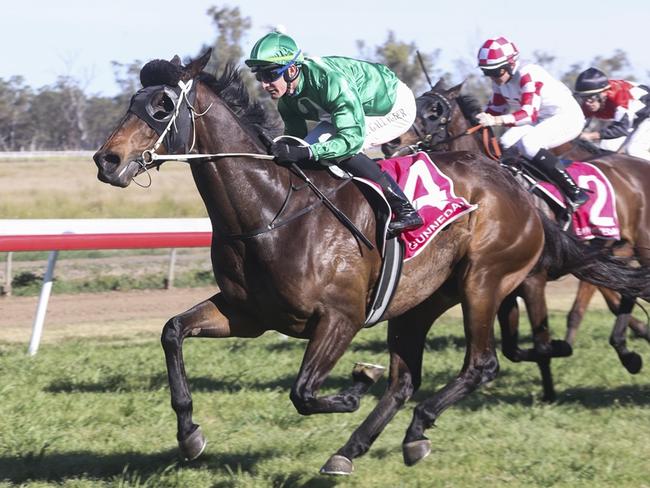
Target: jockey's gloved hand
{"x":287,"y":154}
{"x":489,"y":120}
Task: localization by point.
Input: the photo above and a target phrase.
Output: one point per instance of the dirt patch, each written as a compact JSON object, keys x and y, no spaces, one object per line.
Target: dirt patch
{"x":123,"y":314}
{"x":97,"y":314}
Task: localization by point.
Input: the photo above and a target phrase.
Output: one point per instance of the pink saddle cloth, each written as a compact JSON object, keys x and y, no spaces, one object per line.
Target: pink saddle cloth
{"x":432,"y":194}
{"x":597,"y":218}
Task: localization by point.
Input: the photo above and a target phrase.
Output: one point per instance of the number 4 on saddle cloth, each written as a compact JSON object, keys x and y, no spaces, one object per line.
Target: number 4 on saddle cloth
{"x":432,"y":194}
{"x":595,"y":219}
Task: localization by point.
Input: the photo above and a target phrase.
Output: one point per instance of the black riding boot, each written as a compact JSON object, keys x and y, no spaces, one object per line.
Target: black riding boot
{"x":406,"y":217}
{"x":551,"y":166}
{"x":511,"y":156}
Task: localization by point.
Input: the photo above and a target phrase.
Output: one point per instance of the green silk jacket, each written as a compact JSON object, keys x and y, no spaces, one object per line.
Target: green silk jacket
{"x":343,"y":91}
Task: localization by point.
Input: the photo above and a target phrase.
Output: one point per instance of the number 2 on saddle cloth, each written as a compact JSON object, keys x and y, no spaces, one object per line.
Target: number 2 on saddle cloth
{"x":595,"y":219}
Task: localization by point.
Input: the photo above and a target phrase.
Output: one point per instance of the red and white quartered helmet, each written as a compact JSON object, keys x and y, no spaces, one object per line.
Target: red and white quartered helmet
{"x":498,"y":52}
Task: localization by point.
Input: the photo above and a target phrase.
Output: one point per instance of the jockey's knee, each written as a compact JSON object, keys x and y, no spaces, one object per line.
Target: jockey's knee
{"x":529,"y":146}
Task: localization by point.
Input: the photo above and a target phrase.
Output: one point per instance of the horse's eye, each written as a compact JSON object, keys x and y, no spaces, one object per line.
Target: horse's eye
{"x":167,"y":103}
{"x":163,"y":106}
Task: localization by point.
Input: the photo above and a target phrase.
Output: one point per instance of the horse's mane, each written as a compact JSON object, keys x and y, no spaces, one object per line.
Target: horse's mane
{"x":229,"y":87}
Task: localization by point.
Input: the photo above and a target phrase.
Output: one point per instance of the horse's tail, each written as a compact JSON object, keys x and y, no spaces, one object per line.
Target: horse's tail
{"x":564,"y":254}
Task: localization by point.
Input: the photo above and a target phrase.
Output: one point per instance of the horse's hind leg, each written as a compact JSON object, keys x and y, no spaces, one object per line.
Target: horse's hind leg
{"x":508,"y":316}
{"x":207,"y":319}
{"x":480,"y":366}
{"x":631,"y":360}
{"x":406,"y":339}
{"x":613,"y":300}
{"x":576,"y":314}
{"x":532,"y":291}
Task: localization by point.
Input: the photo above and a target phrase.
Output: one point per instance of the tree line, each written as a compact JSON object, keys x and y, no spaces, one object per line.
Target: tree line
{"x":61,"y":116}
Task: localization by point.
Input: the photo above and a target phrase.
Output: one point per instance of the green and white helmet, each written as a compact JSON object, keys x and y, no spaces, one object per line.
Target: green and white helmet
{"x":274,"y":50}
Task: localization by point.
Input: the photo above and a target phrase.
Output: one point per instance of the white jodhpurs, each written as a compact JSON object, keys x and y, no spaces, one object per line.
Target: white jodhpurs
{"x":638,"y":145}
{"x":379,"y":129}
{"x":548,"y":133}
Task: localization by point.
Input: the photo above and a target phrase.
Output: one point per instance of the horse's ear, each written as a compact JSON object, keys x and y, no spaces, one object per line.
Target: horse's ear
{"x":196,"y":66}
{"x":176,"y":60}
{"x":439,"y":86}
{"x":455,"y":91}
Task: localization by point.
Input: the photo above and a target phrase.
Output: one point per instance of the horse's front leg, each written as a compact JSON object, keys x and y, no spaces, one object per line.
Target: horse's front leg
{"x":331,"y":337}
{"x":533,"y":293}
{"x":211,"y":318}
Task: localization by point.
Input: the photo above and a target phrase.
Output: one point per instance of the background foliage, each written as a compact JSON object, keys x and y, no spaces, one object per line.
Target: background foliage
{"x":62,"y":116}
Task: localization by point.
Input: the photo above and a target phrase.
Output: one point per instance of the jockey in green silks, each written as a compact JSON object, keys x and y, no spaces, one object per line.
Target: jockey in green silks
{"x":359,"y":105}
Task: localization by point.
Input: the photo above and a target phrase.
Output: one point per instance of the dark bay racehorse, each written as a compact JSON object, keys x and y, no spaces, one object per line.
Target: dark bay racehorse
{"x":444,"y":117}
{"x":585,"y":151}
{"x":283,"y":262}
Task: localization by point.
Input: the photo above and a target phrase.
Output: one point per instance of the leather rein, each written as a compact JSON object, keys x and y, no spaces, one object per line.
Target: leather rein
{"x":490,"y":144}
{"x":150,"y":158}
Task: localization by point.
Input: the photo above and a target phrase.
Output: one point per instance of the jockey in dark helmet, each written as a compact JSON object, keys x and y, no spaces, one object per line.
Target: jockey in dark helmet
{"x":359,"y":105}
{"x":545,"y":114}
{"x":625,"y":104}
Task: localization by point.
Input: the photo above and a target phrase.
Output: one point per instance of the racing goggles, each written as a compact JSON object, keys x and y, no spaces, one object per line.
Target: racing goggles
{"x":493,"y":72}
{"x":591,"y":97}
{"x":271,"y":74}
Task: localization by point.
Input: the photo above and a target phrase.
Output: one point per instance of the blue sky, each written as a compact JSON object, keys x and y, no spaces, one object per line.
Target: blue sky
{"x":42,"y":39}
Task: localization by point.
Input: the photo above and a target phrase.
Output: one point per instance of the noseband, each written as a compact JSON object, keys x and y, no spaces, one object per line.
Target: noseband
{"x":174,"y":126}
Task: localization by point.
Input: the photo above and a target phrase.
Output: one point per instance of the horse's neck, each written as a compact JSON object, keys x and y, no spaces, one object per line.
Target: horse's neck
{"x":464,"y":142}
{"x":240,"y":193}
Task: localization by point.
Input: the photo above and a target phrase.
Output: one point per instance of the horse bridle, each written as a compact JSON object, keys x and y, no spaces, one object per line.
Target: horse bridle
{"x":440,"y":138}
{"x":173,"y":127}
{"x":182,"y":98}
{"x":440,"y":135}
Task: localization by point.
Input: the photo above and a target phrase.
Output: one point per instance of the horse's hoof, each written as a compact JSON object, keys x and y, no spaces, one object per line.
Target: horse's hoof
{"x":192,"y":446}
{"x":549,"y":397}
{"x":373,"y":372}
{"x":561,"y":349}
{"x":337,"y":465}
{"x":632,"y":362}
{"x":416,"y":451}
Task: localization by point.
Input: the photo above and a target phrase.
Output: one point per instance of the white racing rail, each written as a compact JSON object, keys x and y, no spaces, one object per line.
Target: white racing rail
{"x":56,"y":235}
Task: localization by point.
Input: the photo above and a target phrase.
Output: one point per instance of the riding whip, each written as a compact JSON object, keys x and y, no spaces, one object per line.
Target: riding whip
{"x":424,"y":69}
{"x":328,"y":203}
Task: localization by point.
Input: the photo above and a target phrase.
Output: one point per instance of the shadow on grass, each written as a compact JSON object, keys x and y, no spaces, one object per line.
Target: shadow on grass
{"x":527,"y":394}
{"x":437,"y":343}
{"x":597,"y":397}
{"x":200,"y":384}
{"x":375,"y":346}
{"x":85,"y":464}
{"x":297,"y":480}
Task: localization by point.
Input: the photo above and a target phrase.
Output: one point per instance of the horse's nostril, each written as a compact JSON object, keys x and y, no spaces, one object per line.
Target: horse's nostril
{"x":112,"y":158}
{"x":107,"y":158}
